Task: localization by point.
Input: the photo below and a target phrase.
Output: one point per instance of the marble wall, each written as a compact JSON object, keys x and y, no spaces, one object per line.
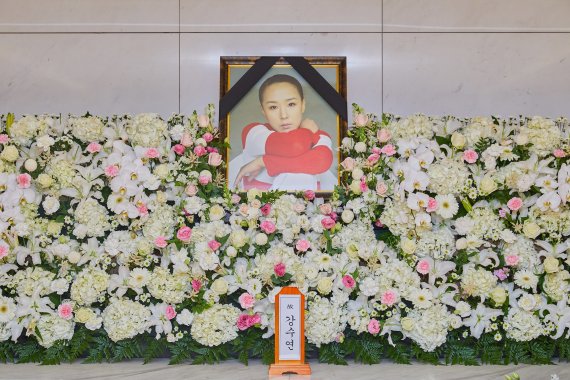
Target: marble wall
{"x":464,"y":57}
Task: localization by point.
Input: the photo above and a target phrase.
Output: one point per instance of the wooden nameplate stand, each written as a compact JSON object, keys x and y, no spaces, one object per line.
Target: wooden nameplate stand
{"x":290,"y":366}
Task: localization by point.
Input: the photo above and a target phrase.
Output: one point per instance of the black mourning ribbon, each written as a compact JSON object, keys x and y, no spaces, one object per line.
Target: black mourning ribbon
{"x":302,"y":66}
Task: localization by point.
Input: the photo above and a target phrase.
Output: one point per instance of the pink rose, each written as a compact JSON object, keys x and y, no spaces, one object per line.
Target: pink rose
{"x":432,"y":205}
{"x":389,"y":150}
{"x":389,"y":297}
{"x":267,"y":226}
{"x":246,"y":300}
{"x":65,"y":311}
{"x":214,"y":159}
{"x":266,"y":209}
{"x":204,"y":179}
{"x":170,"y":312}
{"x":211,"y":149}
{"x":470,"y":156}
{"x":377,"y":150}
{"x":186,"y":140}
{"x":360,"y":120}
{"x":325,"y":208}
{"x":179,"y":149}
{"x":3,"y":251}
{"x":191,"y":190}
{"x":196,"y":285}
{"x":348,"y":281}
{"x":512,"y":260}
{"x":4,"y":138}
{"x":24,"y":180}
{"x":381,"y":188}
{"x":184,"y":234}
{"x":94,"y":147}
{"x":111,"y":171}
{"x":373,"y":326}
{"x":279,"y":269}
{"x":203,"y":121}
{"x":514,"y":204}
{"x":214,"y":245}
{"x":152,"y":153}
{"x":254,"y":319}
{"x":348,"y":163}
{"x":160,"y":242}
{"x":559,"y":153}
{"x":208,"y":137}
{"x":243,"y":322}
{"x":199,"y":150}
{"x":328,"y":223}
{"x":303,"y":245}
{"x":384,"y":135}
{"x":309,"y":195}
{"x":373,"y":158}
{"x":423,"y":267}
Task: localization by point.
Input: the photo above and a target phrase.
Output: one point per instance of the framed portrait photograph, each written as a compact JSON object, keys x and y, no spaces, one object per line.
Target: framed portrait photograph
{"x":284,"y":118}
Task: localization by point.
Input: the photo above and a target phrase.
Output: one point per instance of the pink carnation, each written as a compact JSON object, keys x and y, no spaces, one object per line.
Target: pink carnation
{"x":24,"y":180}
{"x":384,"y":135}
{"x":94,"y":147}
{"x":254,"y":319}
{"x":246,"y":300}
{"x":204,"y":179}
{"x":389,"y":297}
{"x":243,"y":322}
{"x":268,"y":226}
{"x":160,"y":242}
{"x":500,"y":274}
{"x":377,"y":150}
{"x":111,"y":171}
{"x":512,"y":260}
{"x":328,"y":223}
{"x":184,"y":234}
{"x":348,"y":281}
{"x":279,"y":269}
{"x":179,"y":149}
{"x":4,"y":138}
{"x":265,"y":209}
{"x":373,"y":326}
{"x":170,"y":312}
{"x":65,"y":311}
{"x":208,"y":137}
{"x":303,"y":245}
{"x":3,"y":251}
{"x":514,"y":204}
{"x":389,"y":150}
{"x":196,"y":285}
{"x":373,"y":158}
{"x":199,"y":150}
{"x":309,"y":195}
{"x":325,"y":208}
{"x":143,"y":210}
{"x":432,"y":205}
{"x":363,"y":185}
{"x":423,"y":267}
{"x":214,"y":245}
{"x":559,"y":153}
{"x":152,"y":153}
{"x":470,"y":156}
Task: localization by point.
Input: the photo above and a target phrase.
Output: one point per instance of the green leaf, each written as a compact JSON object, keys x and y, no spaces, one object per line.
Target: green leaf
{"x":7,"y":352}
{"x":459,"y":352}
{"x":102,"y":349}
{"x":367,"y":349}
{"x":210,"y":355}
{"x":127,"y":349}
{"x":516,"y":352}
{"x":542,"y":350}
{"x":424,"y":356}
{"x":399,"y":353}
{"x":155,"y":348}
{"x":181,"y":350}
{"x":57,"y":353}
{"x":332,"y":353}
{"x":29,"y":351}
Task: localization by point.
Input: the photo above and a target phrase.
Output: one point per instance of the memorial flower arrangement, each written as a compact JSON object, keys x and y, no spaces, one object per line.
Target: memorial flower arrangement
{"x":446,"y":240}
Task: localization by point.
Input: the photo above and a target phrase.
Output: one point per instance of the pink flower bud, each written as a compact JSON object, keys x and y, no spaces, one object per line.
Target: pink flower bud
{"x":265,"y":209}
{"x":184,"y":234}
{"x":203,"y":121}
{"x":309,"y":195}
{"x":214,"y":245}
{"x":214,"y":159}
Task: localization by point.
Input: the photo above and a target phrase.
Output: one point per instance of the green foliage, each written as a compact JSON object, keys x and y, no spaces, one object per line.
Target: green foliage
{"x":424,"y":356}
{"x":211,"y":355}
{"x":483,"y":144}
{"x":563,"y":346}
{"x":366,"y":349}
{"x":155,"y":348}
{"x":332,"y":353}
{"x":263,"y":348}
{"x":29,"y":351}
{"x":7,"y":352}
{"x":516,"y":352}
{"x":57,"y":353}
{"x":541,"y":350}
{"x":460,"y":352}
{"x":181,"y":350}
{"x":102,"y":349}
{"x":441,"y":140}
{"x":399,"y":352}
{"x":490,"y":351}
{"x":127,"y":349}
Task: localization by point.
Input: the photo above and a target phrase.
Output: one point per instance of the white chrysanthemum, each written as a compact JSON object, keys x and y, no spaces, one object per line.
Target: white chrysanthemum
{"x":147,"y":130}
{"x":478,"y":282}
{"x":7,"y":309}
{"x":324,"y":321}
{"x":139,"y":278}
{"x":422,"y":298}
{"x":53,"y":328}
{"x":522,"y":325}
{"x":448,"y":206}
{"x":369,"y":286}
{"x":438,"y":243}
{"x":447,"y":176}
{"x":168,"y":287}
{"x":91,"y":219}
{"x":215,"y":325}
{"x":124,"y":319}
{"x":526,"y":279}
{"x":87,"y":129}
{"x":89,"y":285}
{"x":430,"y":326}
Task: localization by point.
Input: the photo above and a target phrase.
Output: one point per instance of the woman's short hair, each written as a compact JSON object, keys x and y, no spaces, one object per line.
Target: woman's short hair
{"x":280,"y":78}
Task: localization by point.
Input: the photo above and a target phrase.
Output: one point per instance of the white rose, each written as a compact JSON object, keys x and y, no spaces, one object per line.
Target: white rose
{"x":231,"y":251}
{"x":30,"y":165}
{"x":357,"y":174}
{"x":408,"y":246}
{"x":10,"y":153}
{"x":220,"y":286}
{"x":458,"y":140}
{"x":347,"y":216}
{"x":261,"y":239}
{"x":360,"y":147}
{"x":355,"y":187}
{"x":217,"y":212}
{"x":324,"y":286}
{"x":161,"y":171}
{"x":407,"y":323}
{"x":551,"y":265}
{"x":488,"y":184}
{"x":44,"y":180}
{"x":73,"y":257}
{"x":50,"y":204}
{"x":44,"y":142}
{"x":499,"y":295}
{"x":185,"y":317}
{"x":531,"y":230}
{"x":238,"y":238}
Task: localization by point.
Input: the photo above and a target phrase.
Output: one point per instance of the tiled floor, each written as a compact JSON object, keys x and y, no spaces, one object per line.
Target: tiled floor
{"x":234,"y":370}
